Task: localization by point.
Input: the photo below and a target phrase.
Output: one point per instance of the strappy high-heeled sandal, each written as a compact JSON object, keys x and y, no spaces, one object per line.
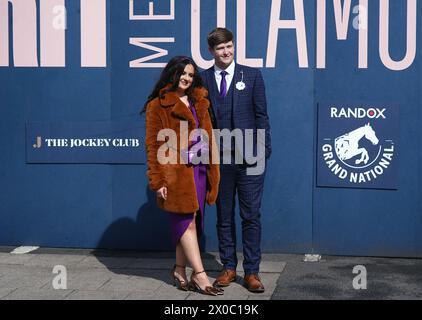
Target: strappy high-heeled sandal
{"x":209,"y":290}
{"x":179,"y":284}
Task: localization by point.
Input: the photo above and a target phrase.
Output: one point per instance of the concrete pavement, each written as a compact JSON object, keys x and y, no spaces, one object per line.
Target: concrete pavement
{"x":117,"y":275}
{"x":112,"y":275}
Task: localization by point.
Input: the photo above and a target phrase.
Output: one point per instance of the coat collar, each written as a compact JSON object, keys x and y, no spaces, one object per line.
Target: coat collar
{"x":178,"y":108}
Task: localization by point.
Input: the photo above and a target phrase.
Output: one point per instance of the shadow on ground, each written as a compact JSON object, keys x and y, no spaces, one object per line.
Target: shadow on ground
{"x":143,"y":241}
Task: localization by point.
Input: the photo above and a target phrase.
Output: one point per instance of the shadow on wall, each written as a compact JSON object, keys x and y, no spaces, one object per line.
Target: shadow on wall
{"x":150,"y":231}
{"x":143,"y":247}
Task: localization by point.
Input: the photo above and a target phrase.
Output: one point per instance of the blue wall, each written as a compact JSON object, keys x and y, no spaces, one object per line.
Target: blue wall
{"x":110,"y":206}
{"x":363,"y":221}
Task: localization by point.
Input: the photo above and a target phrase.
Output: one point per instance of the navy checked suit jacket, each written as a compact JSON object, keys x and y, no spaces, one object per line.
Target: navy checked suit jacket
{"x":249,"y":105}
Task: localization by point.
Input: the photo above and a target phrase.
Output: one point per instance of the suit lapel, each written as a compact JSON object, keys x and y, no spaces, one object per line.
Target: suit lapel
{"x":211,"y":85}
{"x":236,"y":78}
{"x":212,"y":88}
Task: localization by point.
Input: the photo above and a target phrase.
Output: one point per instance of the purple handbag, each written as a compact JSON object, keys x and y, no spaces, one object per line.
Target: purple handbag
{"x":195,"y":150}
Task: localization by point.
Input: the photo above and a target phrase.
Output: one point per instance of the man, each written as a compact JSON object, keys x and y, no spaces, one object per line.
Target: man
{"x":237,"y":95}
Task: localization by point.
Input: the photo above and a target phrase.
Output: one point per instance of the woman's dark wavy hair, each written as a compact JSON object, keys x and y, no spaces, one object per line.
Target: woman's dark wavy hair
{"x":171,"y":75}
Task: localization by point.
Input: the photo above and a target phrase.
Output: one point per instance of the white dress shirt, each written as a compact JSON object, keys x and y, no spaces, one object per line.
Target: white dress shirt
{"x":229,"y":75}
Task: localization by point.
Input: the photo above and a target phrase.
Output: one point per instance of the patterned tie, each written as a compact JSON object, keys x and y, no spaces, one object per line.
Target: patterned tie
{"x":223,"y":84}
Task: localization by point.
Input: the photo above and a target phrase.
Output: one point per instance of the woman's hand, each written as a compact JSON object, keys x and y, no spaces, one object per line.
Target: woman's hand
{"x":211,"y":197}
{"x":162,"y":193}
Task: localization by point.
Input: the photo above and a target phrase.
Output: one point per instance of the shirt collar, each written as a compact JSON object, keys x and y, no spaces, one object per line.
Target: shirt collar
{"x":229,"y":69}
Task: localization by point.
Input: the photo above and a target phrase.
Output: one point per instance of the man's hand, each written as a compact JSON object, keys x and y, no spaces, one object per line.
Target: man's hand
{"x":162,"y":193}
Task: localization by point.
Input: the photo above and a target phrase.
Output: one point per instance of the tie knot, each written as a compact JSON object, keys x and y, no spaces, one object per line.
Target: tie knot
{"x":223,"y":73}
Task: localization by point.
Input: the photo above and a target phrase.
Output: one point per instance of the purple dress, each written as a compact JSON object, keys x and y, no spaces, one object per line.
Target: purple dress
{"x":180,"y":222}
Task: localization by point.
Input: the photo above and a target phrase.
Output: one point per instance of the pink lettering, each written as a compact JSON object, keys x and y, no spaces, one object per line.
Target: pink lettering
{"x":24,"y":33}
{"x":297,"y":24}
{"x":411,"y":36}
{"x":142,"y":62}
{"x":93,"y":33}
{"x":196,"y":30}
{"x":52,"y":39}
{"x":241,"y":37}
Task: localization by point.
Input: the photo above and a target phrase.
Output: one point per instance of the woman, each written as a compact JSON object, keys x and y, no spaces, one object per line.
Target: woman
{"x":178,"y":102}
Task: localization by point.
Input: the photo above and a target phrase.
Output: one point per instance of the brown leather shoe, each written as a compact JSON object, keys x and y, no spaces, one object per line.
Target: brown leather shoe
{"x":253,"y":283}
{"x":225,"y":277}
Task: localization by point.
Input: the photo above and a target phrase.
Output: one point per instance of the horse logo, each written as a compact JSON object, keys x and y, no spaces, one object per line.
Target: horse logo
{"x":347,"y":145}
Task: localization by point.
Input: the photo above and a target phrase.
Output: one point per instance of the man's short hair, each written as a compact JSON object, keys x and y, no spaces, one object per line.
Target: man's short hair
{"x":219,"y":36}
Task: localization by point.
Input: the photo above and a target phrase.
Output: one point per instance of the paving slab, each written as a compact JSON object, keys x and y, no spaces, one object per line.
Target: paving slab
{"x":37,"y":294}
{"x":131,"y":283}
{"x":89,"y":279}
{"x":236,"y":290}
{"x":97,"y":295}
{"x":51,"y":260}
{"x":117,"y":276}
{"x":19,"y":259}
{"x":105,"y":262}
{"x":18,"y":277}
{"x":5,"y":291}
{"x":162,"y":293}
{"x":332,"y":279}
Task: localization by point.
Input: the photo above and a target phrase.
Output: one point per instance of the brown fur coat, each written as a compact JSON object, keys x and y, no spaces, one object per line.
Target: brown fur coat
{"x":169,"y":112}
